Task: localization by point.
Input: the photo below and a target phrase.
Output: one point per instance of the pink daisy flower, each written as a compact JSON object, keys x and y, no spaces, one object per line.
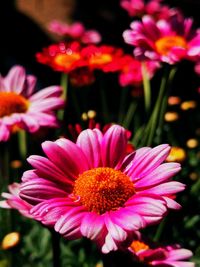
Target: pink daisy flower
{"x":13,"y":201}
{"x":168,"y":41}
{"x":20,"y":108}
{"x":169,"y":256}
{"x":91,"y":188}
{"x":75,"y":31}
{"x":131,"y":71}
{"x":155,"y":8}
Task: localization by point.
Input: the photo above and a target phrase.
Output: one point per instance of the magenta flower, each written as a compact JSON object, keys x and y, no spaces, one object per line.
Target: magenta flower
{"x":168,"y":41}
{"x":75,"y":31}
{"x":131,"y":71}
{"x":154,"y":8}
{"x":91,"y":188}
{"x":20,"y":108}
{"x":13,"y":201}
{"x":169,"y":256}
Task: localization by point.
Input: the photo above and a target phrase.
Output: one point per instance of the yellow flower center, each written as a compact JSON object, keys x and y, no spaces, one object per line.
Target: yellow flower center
{"x":165,"y":44}
{"x":12,"y":103}
{"x":103,"y":189}
{"x":138,"y":246}
{"x":66,"y":60}
{"x":99,"y":59}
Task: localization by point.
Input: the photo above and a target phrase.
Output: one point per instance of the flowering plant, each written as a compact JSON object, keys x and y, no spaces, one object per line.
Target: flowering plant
{"x":109,"y":150}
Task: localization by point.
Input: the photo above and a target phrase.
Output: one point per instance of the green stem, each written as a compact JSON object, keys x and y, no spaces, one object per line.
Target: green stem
{"x":164,"y":102}
{"x":159,"y":231}
{"x":22,"y":140}
{"x":152,"y":124}
{"x":104,"y":105}
{"x":64,"y":85}
{"x":76,"y":104}
{"x":147,"y":88}
{"x":129,"y":116}
{"x":122,"y":104}
{"x":55,"y":237}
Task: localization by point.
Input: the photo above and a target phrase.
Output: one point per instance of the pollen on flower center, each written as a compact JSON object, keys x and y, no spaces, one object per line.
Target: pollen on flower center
{"x":138,"y":246}
{"x":103,"y":189}
{"x":66,"y":60}
{"x":12,"y":103}
{"x":165,"y":44}
{"x":98,"y":59}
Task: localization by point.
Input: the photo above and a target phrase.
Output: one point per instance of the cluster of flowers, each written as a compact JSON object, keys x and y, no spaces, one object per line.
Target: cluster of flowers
{"x":92,"y":187}
{"x":80,"y":62}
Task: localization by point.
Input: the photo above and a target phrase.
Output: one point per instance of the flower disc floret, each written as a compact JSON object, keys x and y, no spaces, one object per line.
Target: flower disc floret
{"x":12,"y":103}
{"x":103,"y":189}
{"x":165,"y":44}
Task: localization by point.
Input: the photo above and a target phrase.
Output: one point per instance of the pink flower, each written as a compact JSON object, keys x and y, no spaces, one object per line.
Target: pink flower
{"x":13,"y":201}
{"x":169,"y":256}
{"x":197,"y":68}
{"x":20,"y":108}
{"x":75,"y":31}
{"x":168,"y":41}
{"x":155,"y":8}
{"x":131,"y":71}
{"x":91,"y":188}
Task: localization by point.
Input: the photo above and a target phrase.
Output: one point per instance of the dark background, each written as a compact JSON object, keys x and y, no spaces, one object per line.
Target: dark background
{"x":21,"y":37}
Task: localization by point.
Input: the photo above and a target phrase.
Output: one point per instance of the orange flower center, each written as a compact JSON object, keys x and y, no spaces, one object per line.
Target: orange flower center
{"x":66,"y":60}
{"x":103,"y":189}
{"x":99,"y":59}
{"x":137,"y":246}
{"x":165,"y":44}
{"x":12,"y":103}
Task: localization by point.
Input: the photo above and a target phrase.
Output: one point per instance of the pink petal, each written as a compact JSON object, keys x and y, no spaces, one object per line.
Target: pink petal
{"x":127,"y":219}
{"x":4,"y":133}
{"x":69,"y":221}
{"x":67,"y":156}
{"x":92,"y":225}
{"x":30,"y":122}
{"x":114,"y":230}
{"x":113,"y":146}
{"x":48,"y":170}
{"x":148,"y":161}
{"x":147,"y":205}
{"x":89,"y":143}
{"x":15,"y":79}
{"x":32,"y":193}
{"x":109,"y":244}
{"x":179,"y":254}
{"x":162,"y":173}
{"x":51,"y":91}
{"x":165,"y":189}
{"x":31,"y":82}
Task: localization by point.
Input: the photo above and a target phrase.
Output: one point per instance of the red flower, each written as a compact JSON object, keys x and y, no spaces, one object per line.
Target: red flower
{"x":105,"y":58}
{"x":63,"y":57}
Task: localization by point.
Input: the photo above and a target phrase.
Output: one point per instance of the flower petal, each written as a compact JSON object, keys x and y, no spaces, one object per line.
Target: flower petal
{"x":113,"y":147}
{"x":88,"y":141}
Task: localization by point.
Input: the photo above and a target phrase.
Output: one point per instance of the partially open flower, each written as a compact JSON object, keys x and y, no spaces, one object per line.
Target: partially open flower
{"x":131,"y":71}
{"x":13,"y":201}
{"x":169,"y":256}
